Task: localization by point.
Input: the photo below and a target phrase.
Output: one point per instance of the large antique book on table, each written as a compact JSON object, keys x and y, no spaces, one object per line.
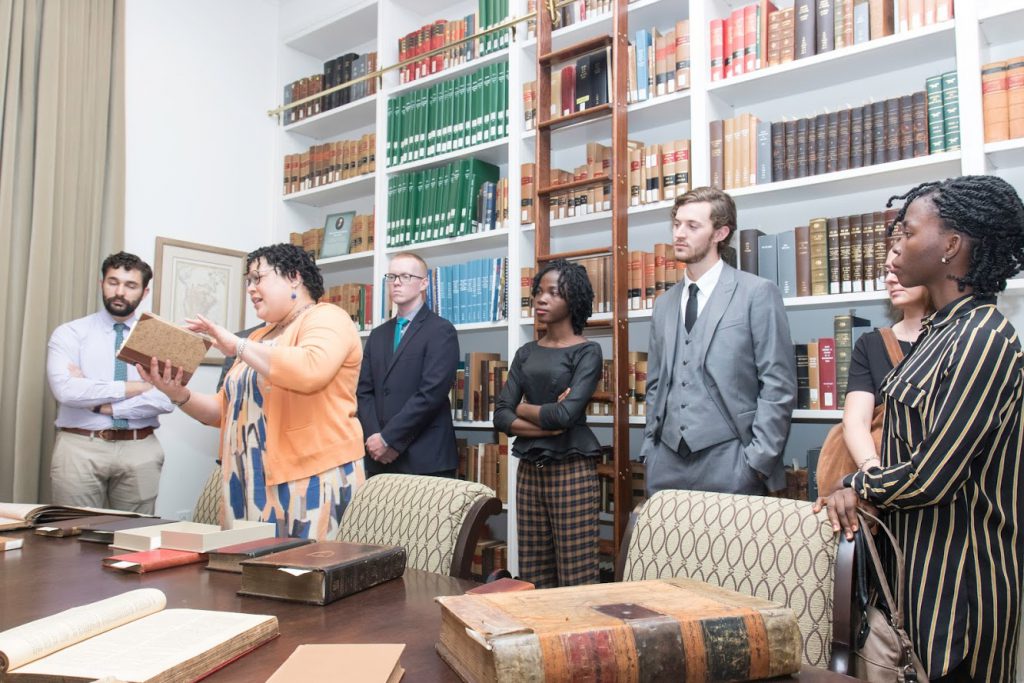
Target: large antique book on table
{"x":152,"y":336}
{"x":369,"y":663}
{"x":202,"y":538}
{"x":152,"y":560}
{"x":25,"y":515}
{"x":130,"y":638}
{"x":667,"y":629}
{"x":320,"y":573}
{"x":103,"y":532}
{"x":229,"y":558}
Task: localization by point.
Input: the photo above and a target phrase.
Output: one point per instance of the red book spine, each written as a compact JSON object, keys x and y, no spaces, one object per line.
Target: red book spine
{"x":749,"y":38}
{"x":737,"y":34}
{"x":827,"y":373}
{"x":717,"y":55}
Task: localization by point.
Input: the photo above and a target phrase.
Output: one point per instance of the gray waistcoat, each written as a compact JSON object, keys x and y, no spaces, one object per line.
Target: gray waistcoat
{"x":690,"y":412}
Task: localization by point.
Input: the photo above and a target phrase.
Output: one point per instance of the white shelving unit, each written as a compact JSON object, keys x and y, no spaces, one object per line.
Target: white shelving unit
{"x":878,"y":69}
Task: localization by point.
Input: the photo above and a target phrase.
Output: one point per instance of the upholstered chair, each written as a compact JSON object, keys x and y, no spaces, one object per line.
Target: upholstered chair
{"x":437,"y":520}
{"x":772,"y":548}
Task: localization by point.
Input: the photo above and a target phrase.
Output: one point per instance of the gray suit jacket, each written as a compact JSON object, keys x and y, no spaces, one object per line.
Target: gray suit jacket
{"x":748,"y":363}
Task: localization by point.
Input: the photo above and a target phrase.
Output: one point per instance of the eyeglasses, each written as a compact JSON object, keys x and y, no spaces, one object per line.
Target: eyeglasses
{"x":253,"y":278}
{"x":404,"y":278}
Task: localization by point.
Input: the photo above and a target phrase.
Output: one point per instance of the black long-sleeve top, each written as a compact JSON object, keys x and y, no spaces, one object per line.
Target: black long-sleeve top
{"x":541,"y":374}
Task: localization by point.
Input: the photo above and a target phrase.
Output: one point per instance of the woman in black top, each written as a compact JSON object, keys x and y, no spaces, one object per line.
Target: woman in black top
{"x":951,"y":480}
{"x":543,"y":404}
{"x":870,"y":363}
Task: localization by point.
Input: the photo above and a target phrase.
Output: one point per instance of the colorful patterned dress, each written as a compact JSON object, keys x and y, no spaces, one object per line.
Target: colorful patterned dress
{"x":305,"y":508}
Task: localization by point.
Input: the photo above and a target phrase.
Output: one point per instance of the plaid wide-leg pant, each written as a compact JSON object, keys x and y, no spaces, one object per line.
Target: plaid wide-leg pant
{"x":557,"y":508}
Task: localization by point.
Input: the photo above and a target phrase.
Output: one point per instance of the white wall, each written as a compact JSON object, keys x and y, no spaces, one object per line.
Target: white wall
{"x":201,"y":153}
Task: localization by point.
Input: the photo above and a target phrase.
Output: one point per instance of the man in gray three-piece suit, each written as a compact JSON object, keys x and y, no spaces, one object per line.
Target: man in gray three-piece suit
{"x":721,"y":372}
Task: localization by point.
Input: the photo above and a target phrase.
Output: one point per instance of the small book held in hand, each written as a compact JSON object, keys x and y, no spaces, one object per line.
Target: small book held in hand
{"x":153,"y":336}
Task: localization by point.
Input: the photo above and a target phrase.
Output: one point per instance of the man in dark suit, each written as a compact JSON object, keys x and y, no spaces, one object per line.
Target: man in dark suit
{"x":721,"y":373}
{"x":409,"y":364}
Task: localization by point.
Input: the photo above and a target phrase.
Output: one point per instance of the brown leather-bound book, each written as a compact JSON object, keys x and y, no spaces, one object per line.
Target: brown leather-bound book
{"x":843,"y":143}
{"x":834,"y":256}
{"x":832,"y":131}
{"x":628,"y":631}
{"x":881,"y":15}
{"x":802,"y":148}
{"x":717,"y":136}
{"x":788,"y":35}
{"x":152,"y":560}
{"x":778,"y":151}
{"x":729,"y":153}
{"x":838,"y":20}
{"x":845,"y":253}
{"x":879,"y":129}
{"x":791,"y":151}
{"x":892,"y":129}
{"x":153,"y":336}
{"x":906,"y":127}
{"x":818,"y":240}
{"x":820,"y":144}
{"x":994,"y":102}
{"x":320,"y":573}
{"x":825,"y":25}
{"x":812,"y":145}
{"x":919,"y":123}
{"x":1015,"y":95}
{"x":868,"y":136}
{"x":880,"y":246}
{"x":856,"y":254}
{"x":749,"y":250}
{"x":804,"y":40}
{"x":867,"y":227}
{"x":73,"y":527}
{"x":856,"y":137}
{"x":803,"y":261}
{"x":230,"y":558}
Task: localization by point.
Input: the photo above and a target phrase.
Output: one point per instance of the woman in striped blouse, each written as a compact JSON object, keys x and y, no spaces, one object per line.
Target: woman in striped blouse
{"x":950,"y":480}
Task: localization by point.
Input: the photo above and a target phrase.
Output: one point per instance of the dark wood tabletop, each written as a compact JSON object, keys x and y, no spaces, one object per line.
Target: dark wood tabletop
{"x":52,"y":574}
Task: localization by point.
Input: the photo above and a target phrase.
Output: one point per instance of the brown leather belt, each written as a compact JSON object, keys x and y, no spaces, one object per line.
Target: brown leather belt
{"x":112,"y":434}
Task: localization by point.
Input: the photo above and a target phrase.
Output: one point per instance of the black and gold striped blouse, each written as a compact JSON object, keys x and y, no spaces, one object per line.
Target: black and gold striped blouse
{"x":950,"y":487}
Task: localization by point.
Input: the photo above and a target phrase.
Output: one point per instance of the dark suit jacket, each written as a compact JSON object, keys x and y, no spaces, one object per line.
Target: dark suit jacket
{"x":403,"y":394}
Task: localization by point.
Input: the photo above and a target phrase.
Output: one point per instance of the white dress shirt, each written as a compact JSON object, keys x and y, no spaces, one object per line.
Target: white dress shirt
{"x":705,"y":286}
{"x":89,"y":344}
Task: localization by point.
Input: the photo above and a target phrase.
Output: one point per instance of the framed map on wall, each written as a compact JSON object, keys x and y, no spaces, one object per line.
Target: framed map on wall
{"x":195,"y":279}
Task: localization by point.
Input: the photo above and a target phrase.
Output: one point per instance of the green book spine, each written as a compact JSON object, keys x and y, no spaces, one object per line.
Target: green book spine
{"x":951,"y":110}
{"x":936,"y":120}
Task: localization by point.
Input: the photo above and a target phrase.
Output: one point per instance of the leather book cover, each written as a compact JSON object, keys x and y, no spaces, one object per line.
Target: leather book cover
{"x":803,"y":260}
{"x":320,"y":573}
{"x":845,"y":254}
{"x":838,"y":20}
{"x":906,"y":127}
{"x":802,"y":151}
{"x":153,"y":336}
{"x":504,"y":585}
{"x":749,"y":250}
{"x":778,"y":151}
{"x":892,"y":129}
{"x":568,"y":90}
{"x":878,"y":132}
{"x":73,"y":527}
{"x":856,"y":155}
{"x":1015,"y":96}
{"x":717,"y":160}
{"x":791,"y":150}
{"x":152,"y":560}
{"x":867,"y":248}
{"x":103,"y":532}
{"x":583,"y":99}
{"x":667,"y":629}
{"x":599,"y":78}
{"x":919,"y":123}
{"x":856,"y":253}
{"x":827,"y":372}
{"x":803,"y":387}
{"x":834,"y":256}
{"x":820,"y":144}
{"x":868,"y":137}
{"x":881,"y":15}
{"x":804,"y":32}
{"x":832,"y":132}
{"x":826,"y":28}
{"x":812,"y":145}
{"x":818,"y":247}
{"x":994,"y":102}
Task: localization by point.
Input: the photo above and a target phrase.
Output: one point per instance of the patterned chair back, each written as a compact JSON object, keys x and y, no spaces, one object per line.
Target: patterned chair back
{"x":425,"y":515}
{"x":207,"y":508}
{"x":773,"y":548}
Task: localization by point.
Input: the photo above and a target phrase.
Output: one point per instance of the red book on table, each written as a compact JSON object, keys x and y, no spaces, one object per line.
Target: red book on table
{"x":152,"y":560}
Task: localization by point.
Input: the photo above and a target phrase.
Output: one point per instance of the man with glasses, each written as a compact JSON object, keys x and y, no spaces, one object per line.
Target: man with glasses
{"x":409,"y":364}
{"x":106,"y":454}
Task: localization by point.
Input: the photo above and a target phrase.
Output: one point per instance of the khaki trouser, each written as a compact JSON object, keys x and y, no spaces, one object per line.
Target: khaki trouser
{"x":121,"y":475}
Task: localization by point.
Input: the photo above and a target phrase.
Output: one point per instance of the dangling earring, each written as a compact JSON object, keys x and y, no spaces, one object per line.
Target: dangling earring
{"x":296,"y":296}
{"x":944,"y":260}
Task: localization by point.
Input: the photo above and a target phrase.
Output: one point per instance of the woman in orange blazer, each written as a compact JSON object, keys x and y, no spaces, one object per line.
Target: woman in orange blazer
{"x":291,"y":447}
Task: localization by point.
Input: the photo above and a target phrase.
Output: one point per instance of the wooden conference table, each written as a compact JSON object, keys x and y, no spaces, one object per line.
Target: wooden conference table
{"x":49,"y":575}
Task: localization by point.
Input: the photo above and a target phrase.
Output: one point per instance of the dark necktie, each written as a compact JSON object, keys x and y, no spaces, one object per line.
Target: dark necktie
{"x":691,"y":307}
{"x":399,"y":328}
{"x":120,"y":368}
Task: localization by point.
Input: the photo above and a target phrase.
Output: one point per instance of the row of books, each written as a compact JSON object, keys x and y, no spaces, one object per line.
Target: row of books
{"x":449,"y":116}
{"x":444,"y":202}
{"x":606,"y":474}
{"x":659,"y":64}
{"x":746,"y":151}
{"x":570,"y":13}
{"x":444,"y":32}
{"x":485,"y":463}
{"x":337,"y":71}
{"x":581,"y":85}
{"x":354,"y":299}
{"x":358,"y":238}
{"x":839,"y":255}
{"x":472,"y":292}
{"x":489,"y":556}
{"x":759,"y":35}
{"x":330,"y":163}
{"x":823,"y":364}
{"x":478,"y":381}
{"x":1002,"y":98}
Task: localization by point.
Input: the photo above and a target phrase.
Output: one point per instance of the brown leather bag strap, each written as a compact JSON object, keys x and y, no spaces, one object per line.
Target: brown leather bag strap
{"x":892,"y":345}
{"x":893,"y":599}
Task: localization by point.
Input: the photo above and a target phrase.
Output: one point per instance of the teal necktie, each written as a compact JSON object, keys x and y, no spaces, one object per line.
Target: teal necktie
{"x":120,"y":368}
{"x":399,"y":327}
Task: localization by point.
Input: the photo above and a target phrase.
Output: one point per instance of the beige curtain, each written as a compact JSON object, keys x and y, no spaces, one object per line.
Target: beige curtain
{"x":61,"y":203}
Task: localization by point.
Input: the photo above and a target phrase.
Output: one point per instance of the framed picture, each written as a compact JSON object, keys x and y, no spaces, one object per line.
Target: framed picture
{"x":191,"y":279}
{"x":337,"y":234}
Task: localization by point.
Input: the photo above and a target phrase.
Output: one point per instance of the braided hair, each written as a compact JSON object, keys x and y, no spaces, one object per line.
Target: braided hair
{"x":989,"y":211}
{"x":574,"y":287}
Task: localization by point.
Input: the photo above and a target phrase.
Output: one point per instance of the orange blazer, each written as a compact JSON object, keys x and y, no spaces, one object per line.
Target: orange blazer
{"x":310,"y":397}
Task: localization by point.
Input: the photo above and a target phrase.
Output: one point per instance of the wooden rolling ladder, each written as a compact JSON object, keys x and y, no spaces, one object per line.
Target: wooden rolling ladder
{"x":617,"y":247}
